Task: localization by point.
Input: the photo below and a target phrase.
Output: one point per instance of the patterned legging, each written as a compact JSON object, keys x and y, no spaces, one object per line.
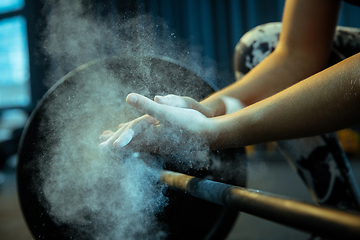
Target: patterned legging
{"x":319,"y":161}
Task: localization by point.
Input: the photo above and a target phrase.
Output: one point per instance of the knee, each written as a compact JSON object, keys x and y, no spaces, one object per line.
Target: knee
{"x":254,"y":46}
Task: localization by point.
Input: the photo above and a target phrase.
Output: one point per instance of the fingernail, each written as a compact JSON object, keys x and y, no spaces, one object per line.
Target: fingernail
{"x":104,"y":147}
{"x":104,"y":137}
{"x":125,"y":138}
{"x":159,"y":99}
{"x":132,"y":98}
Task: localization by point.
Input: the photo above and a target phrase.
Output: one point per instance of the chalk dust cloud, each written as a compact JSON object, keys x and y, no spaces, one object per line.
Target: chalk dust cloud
{"x":105,"y":195}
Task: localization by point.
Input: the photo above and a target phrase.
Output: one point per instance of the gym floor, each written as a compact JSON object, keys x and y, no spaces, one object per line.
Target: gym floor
{"x":272,"y":175}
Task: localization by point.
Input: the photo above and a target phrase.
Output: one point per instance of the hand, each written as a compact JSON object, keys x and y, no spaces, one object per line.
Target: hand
{"x":231,"y":104}
{"x":170,"y":100}
{"x":164,"y":130}
{"x":184,"y":102}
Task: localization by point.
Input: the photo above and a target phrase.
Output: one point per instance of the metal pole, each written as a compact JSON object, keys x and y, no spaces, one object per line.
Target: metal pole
{"x":326,"y":222}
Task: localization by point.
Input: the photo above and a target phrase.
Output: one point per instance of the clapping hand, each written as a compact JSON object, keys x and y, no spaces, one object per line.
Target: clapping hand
{"x":168,"y":126}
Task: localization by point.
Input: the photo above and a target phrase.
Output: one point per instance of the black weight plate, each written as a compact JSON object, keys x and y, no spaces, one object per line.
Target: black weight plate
{"x":95,"y":92}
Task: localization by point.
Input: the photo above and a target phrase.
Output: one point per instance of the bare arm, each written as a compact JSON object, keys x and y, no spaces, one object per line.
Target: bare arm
{"x":303,"y":49}
{"x":297,"y":111}
{"x":324,"y":102}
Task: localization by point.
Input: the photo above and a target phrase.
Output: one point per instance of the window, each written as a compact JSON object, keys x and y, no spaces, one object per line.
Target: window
{"x":11,"y":5}
{"x":14,"y":59}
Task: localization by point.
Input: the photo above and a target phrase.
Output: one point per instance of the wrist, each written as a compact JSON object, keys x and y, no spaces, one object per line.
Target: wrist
{"x":210,"y":133}
{"x":215,"y":107}
{"x":232,"y":104}
{"x":230,"y":131}
{"x":219,"y":133}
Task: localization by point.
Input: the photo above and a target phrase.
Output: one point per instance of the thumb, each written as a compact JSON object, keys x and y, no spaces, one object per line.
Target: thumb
{"x":172,"y":100}
{"x":147,"y":106}
{"x":184,"y":102}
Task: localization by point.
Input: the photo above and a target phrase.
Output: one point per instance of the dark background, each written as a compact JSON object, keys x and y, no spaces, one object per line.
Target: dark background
{"x":214,"y":25}
{"x":211,"y":28}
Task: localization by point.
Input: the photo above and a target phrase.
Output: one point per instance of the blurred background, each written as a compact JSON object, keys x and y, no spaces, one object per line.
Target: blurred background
{"x":210,"y":28}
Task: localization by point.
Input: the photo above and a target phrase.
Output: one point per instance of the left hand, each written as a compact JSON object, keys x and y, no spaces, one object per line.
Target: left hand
{"x":164,"y":129}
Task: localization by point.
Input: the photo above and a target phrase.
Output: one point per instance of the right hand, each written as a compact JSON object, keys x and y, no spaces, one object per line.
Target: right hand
{"x":169,"y":126}
{"x":184,"y":102}
{"x":147,"y":121}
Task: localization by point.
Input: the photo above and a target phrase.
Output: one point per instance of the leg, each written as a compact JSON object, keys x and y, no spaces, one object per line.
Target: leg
{"x":254,"y":46}
{"x":325,"y":170}
{"x":319,"y":160}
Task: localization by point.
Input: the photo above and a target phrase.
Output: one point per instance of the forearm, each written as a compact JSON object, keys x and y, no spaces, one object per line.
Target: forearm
{"x":277,"y":72}
{"x":303,"y":49}
{"x":324,"y":102}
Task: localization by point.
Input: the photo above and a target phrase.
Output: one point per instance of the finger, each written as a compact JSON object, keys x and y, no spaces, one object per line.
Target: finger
{"x":106,"y":135}
{"x":125,"y":138}
{"x":183,"y":102}
{"x":147,"y":140}
{"x":145,"y":105}
{"x":171,"y":100}
{"x":108,"y":143}
{"x":133,"y":129}
{"x":193,"y":104}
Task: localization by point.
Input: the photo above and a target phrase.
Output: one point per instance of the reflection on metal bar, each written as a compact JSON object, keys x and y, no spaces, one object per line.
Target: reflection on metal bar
{"x":326,"y":222}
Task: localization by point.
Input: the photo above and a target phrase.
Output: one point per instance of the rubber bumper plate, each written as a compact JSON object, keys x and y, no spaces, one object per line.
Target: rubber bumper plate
{"x":96,"y":92}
